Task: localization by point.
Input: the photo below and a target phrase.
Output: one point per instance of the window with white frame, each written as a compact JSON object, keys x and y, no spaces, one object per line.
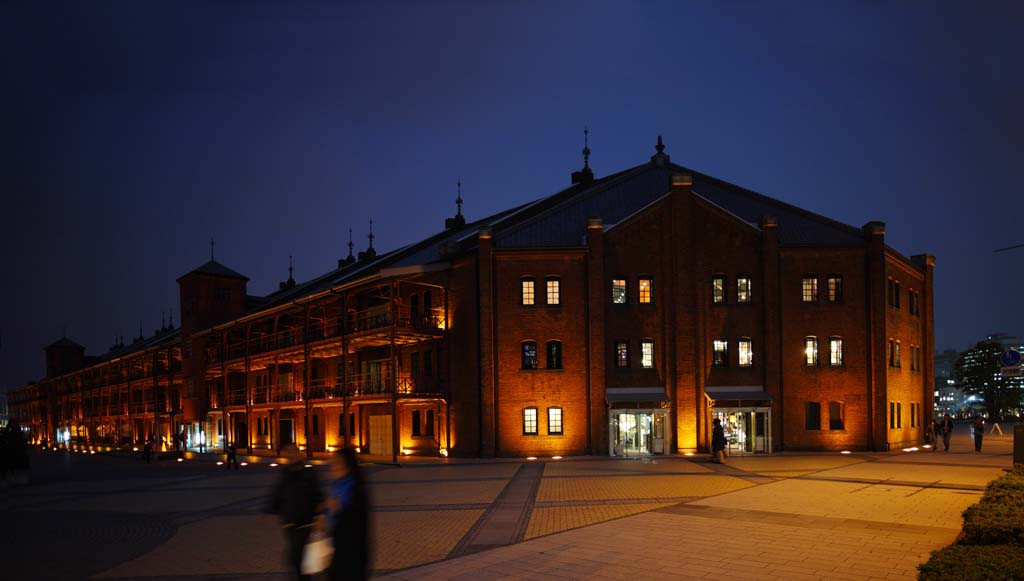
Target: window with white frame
{"x":619,"y":291}
{"x":646,"y":288}
{"x":834,"y":288}
{"x":718,"y":288}
{"x":555,"y":421}
{"x":810,"y":351}
{"x":530,"y":422}
{"x":745,"y":351}
{"x":647,"y":353}
{"x":528,"y":291}
{"x":835,"y":351}
{"x":720,"y":355}
{"x":744,"y":291}
{"x":809,"y":288}
{"x":553,"y":291}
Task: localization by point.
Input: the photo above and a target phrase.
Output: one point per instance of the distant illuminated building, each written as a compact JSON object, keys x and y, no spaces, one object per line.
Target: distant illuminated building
{"x":619,"y":315}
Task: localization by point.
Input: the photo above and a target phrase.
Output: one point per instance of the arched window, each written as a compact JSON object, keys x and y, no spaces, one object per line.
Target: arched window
{"x":554,"y":352}
{"x":810,"y":351}
{"x":529,"y":355}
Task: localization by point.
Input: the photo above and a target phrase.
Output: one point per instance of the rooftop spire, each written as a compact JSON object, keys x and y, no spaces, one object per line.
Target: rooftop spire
{"x":660,"y":158}
{"x":585,"y":175}
{"x":291,"y":280}
{"x":370,"y":236}
{"x":211,"y":248}
{"x":350,"y":245}
{"x":458,"y":200}
{"x":586,"y":148}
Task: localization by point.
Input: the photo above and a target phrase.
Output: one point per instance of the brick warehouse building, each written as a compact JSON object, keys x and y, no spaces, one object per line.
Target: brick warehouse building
{"x":618,"y":316}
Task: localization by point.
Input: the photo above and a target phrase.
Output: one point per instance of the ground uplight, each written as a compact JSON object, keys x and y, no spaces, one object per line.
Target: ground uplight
{"x":556,"y":457}
{"x":244,"y":464}
{"x":845,"y":452}
{"x":273,"y":464}
{"x":220,"y":463}
{"x":531,"y":457}
{"x":688,"y":454}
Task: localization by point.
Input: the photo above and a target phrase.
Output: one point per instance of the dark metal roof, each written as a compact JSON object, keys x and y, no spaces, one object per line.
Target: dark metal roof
{"x":64,"y":342}
{"x":215,"y":268}
{"x":635,"y":394}
{"x":749,"y":393}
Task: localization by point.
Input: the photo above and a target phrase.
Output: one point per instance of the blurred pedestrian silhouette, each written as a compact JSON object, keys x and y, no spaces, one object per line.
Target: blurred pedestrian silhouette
{"x":349,"y":518}
{"x":297,"y":499}
{"x":232,"y":456}
{"x":979,"y":432}
{"x":14,"y":461}
{"x":147,"y":451}
{"x":718,"y":442}
{"x":946,"y":427}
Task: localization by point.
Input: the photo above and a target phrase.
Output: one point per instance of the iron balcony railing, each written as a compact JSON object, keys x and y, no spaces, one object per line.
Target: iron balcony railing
{"x":404,"y":319}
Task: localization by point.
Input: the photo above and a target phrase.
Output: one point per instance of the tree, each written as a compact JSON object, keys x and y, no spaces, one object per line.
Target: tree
{"x":977,"y":370}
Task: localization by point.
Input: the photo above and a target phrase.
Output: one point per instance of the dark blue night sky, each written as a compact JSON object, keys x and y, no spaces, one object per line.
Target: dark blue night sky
{"x":133,"y":134}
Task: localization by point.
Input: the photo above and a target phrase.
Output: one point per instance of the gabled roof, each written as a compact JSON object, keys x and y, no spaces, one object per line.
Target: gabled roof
{"x":560,"y":220}
{"x":64,"y":342}
{"x":215,"y":268}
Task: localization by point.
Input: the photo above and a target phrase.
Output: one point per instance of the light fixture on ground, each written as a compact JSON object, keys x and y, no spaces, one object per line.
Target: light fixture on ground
{"x":244,"y":464}
{"x":845,"y":452}
{"x":273,"y":464}
{"x":531,"y":457}
{"x":556,"y":457}
{"x":181,"y":459}
{"x":220,"y":463}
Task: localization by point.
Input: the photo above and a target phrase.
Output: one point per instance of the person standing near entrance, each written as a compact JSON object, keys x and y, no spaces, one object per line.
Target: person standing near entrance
{"x":147,"y":451}
{"x":946,"y":427}
{"x":718,"y":442}
{"x":979,"y":432}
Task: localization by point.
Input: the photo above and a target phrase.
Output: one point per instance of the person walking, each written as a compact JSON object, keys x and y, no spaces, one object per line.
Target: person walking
{"x":718,"y":442}
{"x":350,"y":518}
{"x":147,"y":451}
{"x":232,"y":456}
{"x":297,"y":499}
{"x":946,"y":428}
{"x":979,"y":432}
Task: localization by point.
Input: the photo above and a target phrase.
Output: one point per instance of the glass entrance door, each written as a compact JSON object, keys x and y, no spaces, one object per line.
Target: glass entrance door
{"x":747,"y":430}
{"x":638,"y":433}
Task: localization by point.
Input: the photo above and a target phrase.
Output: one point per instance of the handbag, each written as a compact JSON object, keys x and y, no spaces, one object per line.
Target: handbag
{"x":316,"y":555}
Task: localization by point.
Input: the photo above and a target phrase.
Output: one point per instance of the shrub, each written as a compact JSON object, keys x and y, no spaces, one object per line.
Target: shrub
{"x":980,"y":562}
{"x":994,"y":523}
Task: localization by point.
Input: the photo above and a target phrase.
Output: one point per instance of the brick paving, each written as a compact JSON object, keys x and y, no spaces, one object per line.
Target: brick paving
{"x":787,"y":516}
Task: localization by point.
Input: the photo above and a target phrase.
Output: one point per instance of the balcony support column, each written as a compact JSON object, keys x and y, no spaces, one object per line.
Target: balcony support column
{"x":248,"y":395}
{"x":344,"y":376}
{"x":305,"y":380}
{"x":228,"y":432}
{"x":395,"y":441}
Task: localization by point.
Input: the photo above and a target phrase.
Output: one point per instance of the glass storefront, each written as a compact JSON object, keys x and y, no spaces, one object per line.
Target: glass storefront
{"x":637,"y":432}
{"x":747,"y":430}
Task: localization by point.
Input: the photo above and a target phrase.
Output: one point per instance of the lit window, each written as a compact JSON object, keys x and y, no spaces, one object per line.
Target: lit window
{"x":835,"y":351}
{"x":555,"y":421}
{"x":810,"y":289}
{"x":646,"y":285}
{"x":621,"y":354}
{"x":554,"y":352}
{"x":746,"y":352}
{"x":530,"y":422}
{"x":528,"y":291}
{"x":619,"y":291}
{"x":836,"y":415}
{"x":896,"y":355}
{"x":721,"y":353}
{"x":718,"y":288}
{"x":553,"y":292}
{"x":810,"y":351}
{"x":647,"y":353}
{"x":744,"y":292}
{"x":812,"y":416}
{"x":529,"y":355}
{"x":835,"y":288}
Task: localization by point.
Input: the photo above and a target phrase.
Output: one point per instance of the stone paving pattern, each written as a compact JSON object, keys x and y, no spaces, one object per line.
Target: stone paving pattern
{"x":786,"y":516}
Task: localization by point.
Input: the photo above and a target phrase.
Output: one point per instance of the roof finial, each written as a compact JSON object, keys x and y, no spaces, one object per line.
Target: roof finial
{"x":211,"y":248}
{"x":370,"y":236}
{"x":458,"y":200}
{"x":660,"y":158}
{"x":586,"y":148}
{"x":291,"y":280}
{"x":350,"y":245}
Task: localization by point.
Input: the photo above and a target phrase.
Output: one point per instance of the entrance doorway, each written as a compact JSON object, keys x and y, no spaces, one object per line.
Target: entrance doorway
{"x":380,"y":435}
{"x":287,"y":432}
{"x":747,"y":430}
{"x":637,"y":432}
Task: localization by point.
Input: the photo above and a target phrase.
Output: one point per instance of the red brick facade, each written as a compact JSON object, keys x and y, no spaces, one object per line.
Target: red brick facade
{"x":421,"y":351}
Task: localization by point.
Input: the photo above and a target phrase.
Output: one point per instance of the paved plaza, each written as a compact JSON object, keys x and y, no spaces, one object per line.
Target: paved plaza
{"x":785,"y":516}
